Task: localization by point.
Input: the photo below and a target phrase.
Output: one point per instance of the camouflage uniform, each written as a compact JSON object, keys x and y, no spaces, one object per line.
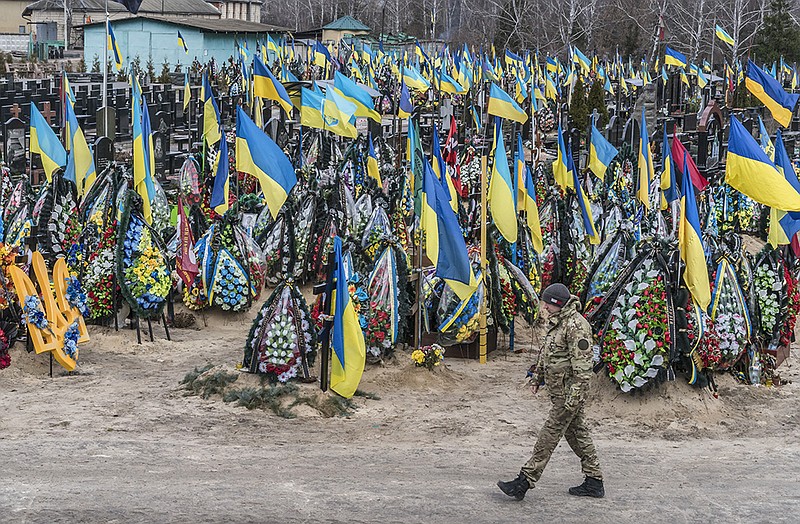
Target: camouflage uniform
{"x":565,"y":364}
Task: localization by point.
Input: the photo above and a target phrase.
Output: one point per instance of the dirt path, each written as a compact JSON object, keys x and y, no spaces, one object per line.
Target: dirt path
{"x":120,"y":442}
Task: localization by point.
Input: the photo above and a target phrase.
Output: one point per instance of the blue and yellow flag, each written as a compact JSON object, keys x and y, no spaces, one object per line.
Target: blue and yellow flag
{"x":448,"y":84}
{"x":440,"y":170}
{"x":182,"y":43}
{"x":476,"y":118}
{"x":750,"y":171}
{"x":669,"y":190}
{"x":311,"y":105}
{"x":531,"y":208}
{"x":560,"y":172}
{"x":723,"y":35}
{"x":770,"y":92}
{"x":766,"y":143}
{"x":582,"y":60}
{"x":501,"y":104}
{"x":143,"y":157}
{"x":645,"y":175}
{"x":211,"y":123}
{"x":501,"y":194}
{"x":44,"y":142}
{"x":219,"y":195}
{"x":601,"y":153}
{"x":265,"y":85}
{"x":339,"y":114}
{"x":113,"y":47}
{"x":372,"y":163}
{"x":357,"y":95}
{"x":690,"y":241}
{"x":583,"y":203}
{"x":80,"y":162}
{"x":783,"y":225}
{"x":405,"y":107}
{"x":347,"y":339}
{"x":674,"y":58}
{"x":321,"y":55}
{"x":258,"y":155}
{"x":414,"y":80}
{"x":444,"y":241}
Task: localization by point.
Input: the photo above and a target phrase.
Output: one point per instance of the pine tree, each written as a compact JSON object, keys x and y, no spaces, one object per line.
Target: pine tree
{"x":579,"y":108}
{"x":780,"y":35}
{"x":597,"y":100}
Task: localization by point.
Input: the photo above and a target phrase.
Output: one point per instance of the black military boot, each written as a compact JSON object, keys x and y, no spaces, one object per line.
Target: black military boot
{"x":591,"y":487}
{"x":515,"y":488}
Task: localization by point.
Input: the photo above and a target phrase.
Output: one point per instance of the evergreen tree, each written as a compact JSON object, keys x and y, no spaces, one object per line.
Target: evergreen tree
{"x":780,"y":35}
{"x":578,"y":107}
{"x":597,"y":100}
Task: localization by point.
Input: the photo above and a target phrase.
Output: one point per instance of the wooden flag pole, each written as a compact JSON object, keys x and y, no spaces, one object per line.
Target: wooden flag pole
{"x":482,"y":318}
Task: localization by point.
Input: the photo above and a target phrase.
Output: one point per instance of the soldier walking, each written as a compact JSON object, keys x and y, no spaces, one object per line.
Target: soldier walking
{"x":565,"y":364}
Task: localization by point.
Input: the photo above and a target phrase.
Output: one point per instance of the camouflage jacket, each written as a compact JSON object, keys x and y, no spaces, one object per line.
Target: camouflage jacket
{"x":567,"y":347}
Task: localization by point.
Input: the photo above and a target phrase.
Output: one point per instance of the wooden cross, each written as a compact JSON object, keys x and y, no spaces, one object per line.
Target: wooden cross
{"x":47,"y":113}
{"x":15,"y":110}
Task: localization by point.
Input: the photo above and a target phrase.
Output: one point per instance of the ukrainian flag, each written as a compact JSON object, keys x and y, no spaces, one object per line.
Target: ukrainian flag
{"x":582,"y":60}
{"x":560,"y":171}
{"x":321,"y":55}
{"x":182,"y":43}
{"x":476,"y":118}
{"x":783,"y":225}
{"x":766,"y":143}
{"x":551,"y":91}
{"x":501,"y":189}
{"x":311,"y":105}
{"x":749,"y":170}
{"x":531,"y":208}
{"x":669,"y":191}
{"x":440,"y":170}
{"x":273,"y":46}
{"x":113,"y":47}
{"x":265,"y":85}
{"x":690,"y":241}
{"x":44,"y":142}
{"x":259,"y":156}
{"x":512,"y":59}
{"x":519,"y":173}
{"x":372,"y":163}
{"x":444,"y":241}
{"x":211,"y":123}
{"x":447,"y":84}
{"x":674,"y":58}
{"x":187,"y":91}
{"x":143,"y":158}
{"x":347,"y":339}
{"x":338,"y":113}
{"x":645,"y":166}
{"x":80,"y":163}
{"x":502,"y":105}
{"x":359,"y":97}
{"x":219,"y":195}
{"x":769,"y":91}
{"x":601,"y":153}
{"x":583,"y":203}
{"x":724,"y":36}
{"x":414,"y":79}
{"x":405,"y":107}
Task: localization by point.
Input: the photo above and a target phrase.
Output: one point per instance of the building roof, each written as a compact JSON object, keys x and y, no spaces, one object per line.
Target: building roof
{"x":167,"y":7}
{"x":209,"y":25}
{"x":346,"y":23}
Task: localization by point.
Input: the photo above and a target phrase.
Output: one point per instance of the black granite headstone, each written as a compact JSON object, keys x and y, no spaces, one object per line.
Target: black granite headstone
{"x":14,"y":148}
{"x":103,"y":153}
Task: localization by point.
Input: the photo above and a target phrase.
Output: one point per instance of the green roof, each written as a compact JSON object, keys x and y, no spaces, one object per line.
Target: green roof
{"x":346,"y":23}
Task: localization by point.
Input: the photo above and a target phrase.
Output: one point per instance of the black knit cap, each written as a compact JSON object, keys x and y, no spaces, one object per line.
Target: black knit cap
{"x":556,"y":294}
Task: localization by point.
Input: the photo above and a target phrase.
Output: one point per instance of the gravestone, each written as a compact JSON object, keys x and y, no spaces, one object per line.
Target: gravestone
{"x":614,"y":131}
{"x":630,"y":133}
{"x":48,"y":113}
{"x":103,"y":153}
{"x":14,"y":148}
{"x":160,"y":148}
{"x":107,"y":122}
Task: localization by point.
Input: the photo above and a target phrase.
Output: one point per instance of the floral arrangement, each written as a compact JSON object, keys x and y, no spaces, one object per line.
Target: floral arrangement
{"x":428,"y":357}
{"x":767,"y":289}
{"x":33,"y":313}
{"x":7,"y":292}
{"x":8,"y":335}
{"x":188,"y":181}
{"x":302,"y":235}
{"x":76,"y":297}
{"x":229,"y":284}
{"x":281,"y":340}
{"x":145,"y":274}
{"x":71,"y":336}
{"x":378,"y":230}
{"x":194,"y":296}
{"x":637,"y":336}
{"x":359,"y":298}
{"x":99,"y":279}
{"x":382,"y":318}
{"x":792,"y":307}
{"x":733,"y":211}
{"x":460,"y":317}
{"x":19,"y":228}
{"x":729,"y":313}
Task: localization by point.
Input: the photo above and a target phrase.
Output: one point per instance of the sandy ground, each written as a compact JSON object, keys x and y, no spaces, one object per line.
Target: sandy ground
{"x":119,"y":441}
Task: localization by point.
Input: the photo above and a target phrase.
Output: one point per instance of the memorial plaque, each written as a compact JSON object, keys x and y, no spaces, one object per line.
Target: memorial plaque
{"x":160,"y":148}
{"x":103,"y":153}
{"x":107,"y":122}
{"x":15,"y":151}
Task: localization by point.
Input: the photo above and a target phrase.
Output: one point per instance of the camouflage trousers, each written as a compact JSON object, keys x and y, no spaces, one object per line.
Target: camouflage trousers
{"x":563,"y":423}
